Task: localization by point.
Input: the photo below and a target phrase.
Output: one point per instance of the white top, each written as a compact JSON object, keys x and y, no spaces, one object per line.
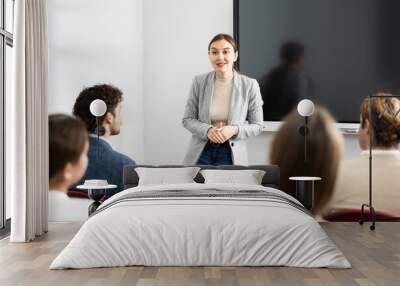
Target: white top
{"x":64,"y":208}
{"x":93,"y":187}
{"x":221,"y":102}
{"x":305,"y":178}
{"x":352,"y":183}
{"x":96,"y":185}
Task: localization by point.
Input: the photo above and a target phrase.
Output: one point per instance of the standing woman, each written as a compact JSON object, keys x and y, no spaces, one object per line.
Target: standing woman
{"x":223,"y":109}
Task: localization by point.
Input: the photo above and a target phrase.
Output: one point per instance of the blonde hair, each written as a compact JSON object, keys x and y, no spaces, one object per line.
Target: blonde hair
{"x":324,"y":153}
{"x":385,"y":122}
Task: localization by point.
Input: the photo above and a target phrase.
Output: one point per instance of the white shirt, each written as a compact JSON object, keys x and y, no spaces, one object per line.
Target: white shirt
{"x":352,"y":185}
{"x":64,"y":208}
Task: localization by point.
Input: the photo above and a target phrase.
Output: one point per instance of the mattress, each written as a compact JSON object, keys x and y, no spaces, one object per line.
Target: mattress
{"x":201,"y":225}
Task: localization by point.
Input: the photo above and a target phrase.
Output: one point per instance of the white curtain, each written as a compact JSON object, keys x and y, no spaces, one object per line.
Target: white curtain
{"x":27,"y":123}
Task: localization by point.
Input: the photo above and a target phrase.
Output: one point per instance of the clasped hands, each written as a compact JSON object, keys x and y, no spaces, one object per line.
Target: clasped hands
{"x":221,"y":134}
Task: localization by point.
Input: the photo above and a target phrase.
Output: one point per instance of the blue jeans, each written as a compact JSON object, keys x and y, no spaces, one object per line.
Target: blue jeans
{"x":216,"y":154}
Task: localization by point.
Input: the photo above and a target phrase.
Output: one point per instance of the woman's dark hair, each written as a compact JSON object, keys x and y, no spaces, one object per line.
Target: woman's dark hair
{"x":106,"y":92}
{"x":385,"y":122}
{"x":225,"y":37}
{"x":325,"y":148}
{"x":67,"y":139}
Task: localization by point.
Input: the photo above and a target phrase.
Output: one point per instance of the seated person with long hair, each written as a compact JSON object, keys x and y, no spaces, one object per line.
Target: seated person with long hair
{"x":68,"y":148}
{"x":325,"y":146}
{"x":110,"y":163}
{"x":352,"y":187}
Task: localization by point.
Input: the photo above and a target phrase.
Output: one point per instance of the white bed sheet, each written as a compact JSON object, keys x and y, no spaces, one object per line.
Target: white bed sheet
{"x":200,"y":231}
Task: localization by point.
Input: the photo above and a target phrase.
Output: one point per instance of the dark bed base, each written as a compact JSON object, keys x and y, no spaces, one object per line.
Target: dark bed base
{"x":270,"y":179}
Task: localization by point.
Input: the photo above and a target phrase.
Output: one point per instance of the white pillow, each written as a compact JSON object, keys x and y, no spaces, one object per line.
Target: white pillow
{"x":248,"y":177}
{"x":165,"y":176}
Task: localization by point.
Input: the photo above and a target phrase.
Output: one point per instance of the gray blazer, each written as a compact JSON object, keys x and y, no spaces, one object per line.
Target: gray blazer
{"x":245,"y":111}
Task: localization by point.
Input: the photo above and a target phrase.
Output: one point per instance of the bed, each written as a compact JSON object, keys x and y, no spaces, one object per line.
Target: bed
{"x":198,"y":224}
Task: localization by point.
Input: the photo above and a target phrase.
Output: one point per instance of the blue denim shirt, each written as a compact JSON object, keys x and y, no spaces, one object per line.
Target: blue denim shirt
{"x":109,"y":166}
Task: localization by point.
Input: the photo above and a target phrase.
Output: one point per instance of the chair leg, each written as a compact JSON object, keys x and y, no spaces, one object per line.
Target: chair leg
{"x":373,"y":216}
{"x":372,"y":210}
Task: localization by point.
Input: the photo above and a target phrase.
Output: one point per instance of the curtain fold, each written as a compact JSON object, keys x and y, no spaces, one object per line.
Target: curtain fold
{"x":27,"y":139}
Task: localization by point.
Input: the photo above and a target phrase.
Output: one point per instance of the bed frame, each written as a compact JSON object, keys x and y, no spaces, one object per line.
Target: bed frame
{"x":270,"y":179}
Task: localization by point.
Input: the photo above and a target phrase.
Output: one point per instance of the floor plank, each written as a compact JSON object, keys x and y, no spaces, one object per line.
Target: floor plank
{"x":375,"y":257}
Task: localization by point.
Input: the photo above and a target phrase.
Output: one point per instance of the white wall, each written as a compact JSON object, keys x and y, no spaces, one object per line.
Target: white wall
{"x":151,"y":49}
{"x":259,"y":147}
{"x":98,"y":41}
{"x":175,"y":38}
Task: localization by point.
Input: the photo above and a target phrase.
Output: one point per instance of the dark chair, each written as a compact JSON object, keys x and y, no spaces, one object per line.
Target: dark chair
{"x":77,"y":194}
{"x":343,"y":215}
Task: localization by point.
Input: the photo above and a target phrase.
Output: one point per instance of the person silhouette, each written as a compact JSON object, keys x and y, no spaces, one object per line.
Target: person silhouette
{"x":286,"y":84}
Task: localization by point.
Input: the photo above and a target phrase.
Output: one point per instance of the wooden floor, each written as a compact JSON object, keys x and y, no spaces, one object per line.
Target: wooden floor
{"x":375,"y":257}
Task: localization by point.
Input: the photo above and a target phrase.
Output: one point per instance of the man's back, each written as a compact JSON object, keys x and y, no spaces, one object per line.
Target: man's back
{"x":108,"y":166}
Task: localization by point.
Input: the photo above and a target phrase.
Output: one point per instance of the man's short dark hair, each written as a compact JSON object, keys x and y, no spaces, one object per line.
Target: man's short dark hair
{"x":110,"y":94}
{"x":291,"y":52}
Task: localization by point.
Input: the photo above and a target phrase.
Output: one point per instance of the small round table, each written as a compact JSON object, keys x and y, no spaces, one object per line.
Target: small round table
{"x":95,"y":193}
{"x":305,"y":190}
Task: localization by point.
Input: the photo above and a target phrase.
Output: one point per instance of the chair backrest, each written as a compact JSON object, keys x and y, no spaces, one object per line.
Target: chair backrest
{"x":77,"y":194}
{"x":270,"y":179}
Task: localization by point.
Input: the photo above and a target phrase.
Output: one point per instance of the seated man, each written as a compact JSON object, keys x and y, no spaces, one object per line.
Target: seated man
{"x":110,"y":164}
{"x":352,"y":187}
